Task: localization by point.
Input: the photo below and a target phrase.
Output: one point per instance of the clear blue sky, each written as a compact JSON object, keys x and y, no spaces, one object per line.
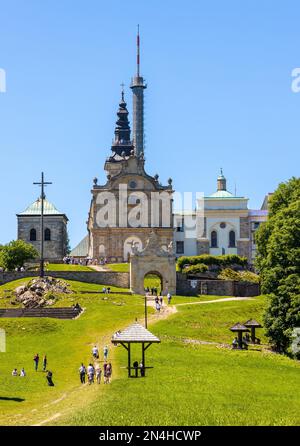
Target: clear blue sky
{"x":219,"y":94}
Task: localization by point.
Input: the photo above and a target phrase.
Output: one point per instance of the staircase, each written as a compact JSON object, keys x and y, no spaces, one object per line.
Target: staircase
{"x":57,"y":313}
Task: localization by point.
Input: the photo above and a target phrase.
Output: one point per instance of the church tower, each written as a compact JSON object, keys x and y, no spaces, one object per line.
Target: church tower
{"x":131,"y":204}
{"x":138,"y":86}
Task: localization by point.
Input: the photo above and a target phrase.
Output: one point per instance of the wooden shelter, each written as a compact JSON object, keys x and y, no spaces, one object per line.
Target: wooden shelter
{"x":239,"y":329}
{"x":135,"y":334}
{"x":253,"y":324}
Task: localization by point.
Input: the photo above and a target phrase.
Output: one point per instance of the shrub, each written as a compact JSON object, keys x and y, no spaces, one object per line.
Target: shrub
{"x":209,"y":260}
{"x":194,"y":269}
{"x":238,"y":276}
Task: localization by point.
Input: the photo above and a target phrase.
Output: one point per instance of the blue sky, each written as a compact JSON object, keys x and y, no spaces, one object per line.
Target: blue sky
{"x":219,"y":95}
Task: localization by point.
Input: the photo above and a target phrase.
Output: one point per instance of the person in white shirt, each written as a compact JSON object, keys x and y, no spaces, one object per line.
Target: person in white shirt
{"x":14,"y":372}
{"x":95,"y":352}
{"x":22,"y":373}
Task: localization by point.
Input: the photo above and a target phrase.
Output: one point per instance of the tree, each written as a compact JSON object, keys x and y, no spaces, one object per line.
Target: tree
{"x":278,"y":261}
{"x":16,"y":253}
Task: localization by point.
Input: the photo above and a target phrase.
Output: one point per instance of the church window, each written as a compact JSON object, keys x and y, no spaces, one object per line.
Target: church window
{"x":32,"y":235}
{"x":214,"y":239}
{"x":231,"y":239}
{"x":47,"y":236}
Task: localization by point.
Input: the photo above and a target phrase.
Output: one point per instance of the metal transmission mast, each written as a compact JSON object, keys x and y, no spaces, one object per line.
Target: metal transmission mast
{"x":138,"y":86}
{"x":42,"y":184}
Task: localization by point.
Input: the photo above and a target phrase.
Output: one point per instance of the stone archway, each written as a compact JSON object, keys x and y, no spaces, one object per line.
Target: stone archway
{"x":153,"y":259}
{"x":152,"y":276}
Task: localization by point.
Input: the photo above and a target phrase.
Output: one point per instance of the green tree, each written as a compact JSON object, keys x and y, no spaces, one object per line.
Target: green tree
{"x":16,"y":253}
{"x":278,"y":261}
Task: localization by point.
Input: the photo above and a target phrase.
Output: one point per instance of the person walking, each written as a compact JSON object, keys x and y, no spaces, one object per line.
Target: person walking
{"x":98,"y":374}
{"x":36,"y":361}
{"x":169,"y":296}
{"x":108,"y":372}
{"x":157,"y":306}
{"x":44,"y":363}
{"x":95,"y":352}
{"x":105,"y":353}
{"x":161,"y":301}
{"x":82,"y":373}
{"x":49,"y":378}
{"x":90,"y":373}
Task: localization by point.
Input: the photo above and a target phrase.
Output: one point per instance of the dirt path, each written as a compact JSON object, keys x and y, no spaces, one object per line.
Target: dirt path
{"x":226,"y":299}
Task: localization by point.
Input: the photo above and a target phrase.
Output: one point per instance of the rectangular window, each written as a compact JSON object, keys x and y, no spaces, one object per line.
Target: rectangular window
{"x":179,"y":247}
{"x":180,"y":225}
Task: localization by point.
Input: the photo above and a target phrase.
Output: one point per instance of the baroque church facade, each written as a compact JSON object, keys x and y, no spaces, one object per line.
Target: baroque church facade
{"x":131,"y":204}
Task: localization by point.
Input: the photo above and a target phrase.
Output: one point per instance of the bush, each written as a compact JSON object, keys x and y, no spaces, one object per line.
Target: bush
{"x":16,"y":253}
{"x":209,"y":260}
{"x":238,"y":276}
{"x":194,"y":269}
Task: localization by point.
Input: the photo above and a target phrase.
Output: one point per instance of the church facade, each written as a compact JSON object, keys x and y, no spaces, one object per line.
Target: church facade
{"x":131,"y":204}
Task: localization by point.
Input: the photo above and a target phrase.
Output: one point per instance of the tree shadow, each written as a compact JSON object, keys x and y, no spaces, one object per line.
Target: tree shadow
{"x":6,"y":398}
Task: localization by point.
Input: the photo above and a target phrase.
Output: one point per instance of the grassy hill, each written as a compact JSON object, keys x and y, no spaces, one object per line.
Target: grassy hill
{"x":196,"y":378}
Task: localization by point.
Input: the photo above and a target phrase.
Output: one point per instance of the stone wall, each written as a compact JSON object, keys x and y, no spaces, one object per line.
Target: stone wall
{"x":99,"y":277}
{"x":54,"y":249}
{"x":187,"y":287}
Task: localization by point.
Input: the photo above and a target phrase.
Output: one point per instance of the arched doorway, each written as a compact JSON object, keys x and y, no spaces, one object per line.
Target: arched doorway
{"x":153,"y":283}
{"x":128,"y":246}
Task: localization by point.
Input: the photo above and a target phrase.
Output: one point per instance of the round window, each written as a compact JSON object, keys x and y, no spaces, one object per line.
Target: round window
{"x":222,"y":225}
{"x":132,"y":184}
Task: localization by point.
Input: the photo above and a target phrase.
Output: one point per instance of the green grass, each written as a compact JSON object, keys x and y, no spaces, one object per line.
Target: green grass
{"x":119,"y":267}
{"x":67,"y":344}
{"x":194,"y":384}
{"x":190,"y":384}
{"x":65,"y":267}
{"x":90,"y":290}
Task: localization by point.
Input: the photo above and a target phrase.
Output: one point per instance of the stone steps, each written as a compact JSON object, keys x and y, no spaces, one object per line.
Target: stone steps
{"x":58,"y":313}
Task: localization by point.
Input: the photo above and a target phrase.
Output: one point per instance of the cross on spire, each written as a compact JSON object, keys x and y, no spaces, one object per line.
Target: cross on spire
{"x":42,"y":184}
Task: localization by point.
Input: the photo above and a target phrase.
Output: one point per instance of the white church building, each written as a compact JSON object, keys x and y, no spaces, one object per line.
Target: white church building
{"x":221,"y":224}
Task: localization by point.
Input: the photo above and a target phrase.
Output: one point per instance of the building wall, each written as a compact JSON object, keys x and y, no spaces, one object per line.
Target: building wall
{"x":53,"y":249}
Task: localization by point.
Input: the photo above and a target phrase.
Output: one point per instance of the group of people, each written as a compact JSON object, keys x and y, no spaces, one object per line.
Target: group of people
{"x":153,"y":291}
{"x":106,"y":290}
{"x":159,"y":301}
{"x":36,"y":360}
{"x":15,"y":372}
{"x":95,"y":371}
{"x":68,"y":260}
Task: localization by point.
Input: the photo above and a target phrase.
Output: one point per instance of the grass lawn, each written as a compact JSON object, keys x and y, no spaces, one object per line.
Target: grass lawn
{"x":67,"y":344}
{"x":194,"y":384}
{"x":191,"y":383}
{"x":65,"y":267}
{"x":119,"y":267}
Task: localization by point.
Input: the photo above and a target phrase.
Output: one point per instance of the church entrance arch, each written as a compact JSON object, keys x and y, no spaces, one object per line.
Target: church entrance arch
{"x":129,"y":242}
{"x":153,"y":281}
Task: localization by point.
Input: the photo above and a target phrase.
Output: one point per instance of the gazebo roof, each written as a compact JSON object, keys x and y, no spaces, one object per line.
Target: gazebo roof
{"x":134,"y":333}
{"x":252,"y":323}
{"x":239,"y":327}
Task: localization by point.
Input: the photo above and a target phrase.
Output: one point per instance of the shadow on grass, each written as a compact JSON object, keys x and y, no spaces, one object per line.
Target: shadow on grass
{"x":17,"y":400}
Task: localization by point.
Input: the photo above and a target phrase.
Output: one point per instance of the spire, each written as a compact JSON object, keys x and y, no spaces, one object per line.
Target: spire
{"x":138,"y":86}
{"x":138,"y":52}
{"x":221,"y":181}
{"x":122,"y":142}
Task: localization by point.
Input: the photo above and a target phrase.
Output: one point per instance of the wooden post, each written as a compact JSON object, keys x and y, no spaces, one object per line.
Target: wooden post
{"x":143,"y":358}
{"x":129,"y":361}
{"x":253,"y":334}
{"x":240,"y":339}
